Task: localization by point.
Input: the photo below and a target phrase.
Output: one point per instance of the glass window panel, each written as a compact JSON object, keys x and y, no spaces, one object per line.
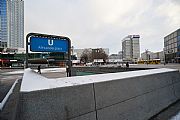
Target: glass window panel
{"x":178,"y":32}
{"x":175,"y":50}
{"x":175,"y":44}
{"x":171,"y":36}
{"x":173,"y":40}
{"x":178,"y":38}
{"x":169,"y":42}
{"x":175,"y":34}
{"x":169,"y":46}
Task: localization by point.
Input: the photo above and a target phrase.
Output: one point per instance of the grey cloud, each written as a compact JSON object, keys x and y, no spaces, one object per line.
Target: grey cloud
{"x":176,"y":1}
{"x":85,"y":25}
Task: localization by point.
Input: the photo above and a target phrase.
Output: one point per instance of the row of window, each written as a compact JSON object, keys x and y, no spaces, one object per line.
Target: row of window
{"x":169,"y":51}
{"x":172,"y":35}
{"x":170,"y":41}
{"x":3,"y":44}
{"x":174,"y":50}
{"x":171,"y":46}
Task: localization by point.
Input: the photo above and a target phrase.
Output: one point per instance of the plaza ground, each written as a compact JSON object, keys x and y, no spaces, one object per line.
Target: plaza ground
{"x":8,"y":76}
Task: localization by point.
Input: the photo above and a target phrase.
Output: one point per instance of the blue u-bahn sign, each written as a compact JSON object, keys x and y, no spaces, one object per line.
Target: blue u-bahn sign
{"x":40,"y":44}
{"x":49,"y":43}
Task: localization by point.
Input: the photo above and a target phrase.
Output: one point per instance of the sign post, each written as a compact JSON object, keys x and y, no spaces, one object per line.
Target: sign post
{"x":48,"y":43}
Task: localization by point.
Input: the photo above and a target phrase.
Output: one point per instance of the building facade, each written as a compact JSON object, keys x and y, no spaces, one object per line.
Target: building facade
{"x":148,"y":55}
{"x":131,"y":48}
{"x":172,"y":47}
{"x":3,"y":23}
{"x":12,"y":23}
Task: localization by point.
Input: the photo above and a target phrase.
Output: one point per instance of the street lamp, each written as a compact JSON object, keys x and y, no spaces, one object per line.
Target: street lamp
{"x":146,"y":51}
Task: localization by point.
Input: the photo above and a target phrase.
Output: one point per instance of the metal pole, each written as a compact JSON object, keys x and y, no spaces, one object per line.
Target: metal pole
{"x":27,"y":43}
{"x":69,"y":57}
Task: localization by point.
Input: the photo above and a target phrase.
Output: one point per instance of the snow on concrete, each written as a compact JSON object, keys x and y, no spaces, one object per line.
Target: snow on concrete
{"x":177,"y":117}
{"x":14,"y":72}
{"x":33,"y":81}
{"x":42,"y":71}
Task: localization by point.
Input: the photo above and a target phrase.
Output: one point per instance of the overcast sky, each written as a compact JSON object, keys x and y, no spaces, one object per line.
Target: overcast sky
{"x":104,"y":23}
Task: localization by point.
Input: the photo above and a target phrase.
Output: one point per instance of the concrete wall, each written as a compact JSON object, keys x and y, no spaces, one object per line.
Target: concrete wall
{"x":100,"y":70}
{"x":58,"y":104}
{"x":132,"y":98}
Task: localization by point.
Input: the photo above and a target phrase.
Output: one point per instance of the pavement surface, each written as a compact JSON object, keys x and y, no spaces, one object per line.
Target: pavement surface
{"x":170,"y":113}
{"x":6,"y":81}
{"x":8,"y":77}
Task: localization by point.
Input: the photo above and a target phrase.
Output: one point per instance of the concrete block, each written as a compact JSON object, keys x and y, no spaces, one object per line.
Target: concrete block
{"x":57,"y":104}
{"x":113,"y":92}
{"x":89,"y":116}
{"x":139,"y":108}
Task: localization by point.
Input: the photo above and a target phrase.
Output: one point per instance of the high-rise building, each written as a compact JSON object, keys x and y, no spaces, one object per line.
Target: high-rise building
{"x":130,"y":48}
{"x":172,"y":47}
{"x":3,"y":23}
{"x":12,"y":23}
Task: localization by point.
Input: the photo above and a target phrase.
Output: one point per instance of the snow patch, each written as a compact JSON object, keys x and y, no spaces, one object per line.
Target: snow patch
{"x":47,"y":70}
{"x":177,"y":117}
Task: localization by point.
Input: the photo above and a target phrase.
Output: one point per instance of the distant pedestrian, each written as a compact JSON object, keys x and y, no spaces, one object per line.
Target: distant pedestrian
{"x":39,"y":69}
{"x":67,"y":71}
{"x":127,"y":65}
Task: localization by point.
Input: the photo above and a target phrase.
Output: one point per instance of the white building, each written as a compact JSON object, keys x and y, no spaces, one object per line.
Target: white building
{"x":148,"y":55}
{"x":15,"y":18}
{"x":115,"y":58}
{"x":12,"y":24}
{"x":131,"y":48}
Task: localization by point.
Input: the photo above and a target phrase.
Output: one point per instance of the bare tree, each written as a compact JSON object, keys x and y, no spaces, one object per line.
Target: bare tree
{"x":86,"y":56}
{"x":89,"y":55}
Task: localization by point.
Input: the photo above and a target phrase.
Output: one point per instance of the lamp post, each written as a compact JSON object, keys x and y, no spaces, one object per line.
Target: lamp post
{"x":146,"y":51}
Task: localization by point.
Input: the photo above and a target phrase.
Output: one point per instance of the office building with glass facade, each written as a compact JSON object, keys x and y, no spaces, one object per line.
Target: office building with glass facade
{"x":12,"y":23}
{"x":172,"y":47}
{"x":3,"y":23}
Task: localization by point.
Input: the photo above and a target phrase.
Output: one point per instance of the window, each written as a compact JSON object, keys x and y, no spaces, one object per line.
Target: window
{"x":175,"y":39}
{"x":178,"y":43}
{"x":175,"y":34}
{"x":169,"y":47}
{"x":179,"y":32}
{"x":175,"y":44}
{"x":178,"y":38}
{"x":171,"y":41}
{"x":175,"y":50}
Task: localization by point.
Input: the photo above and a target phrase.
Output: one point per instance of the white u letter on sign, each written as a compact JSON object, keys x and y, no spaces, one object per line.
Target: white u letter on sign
{"x":50,"y":42}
